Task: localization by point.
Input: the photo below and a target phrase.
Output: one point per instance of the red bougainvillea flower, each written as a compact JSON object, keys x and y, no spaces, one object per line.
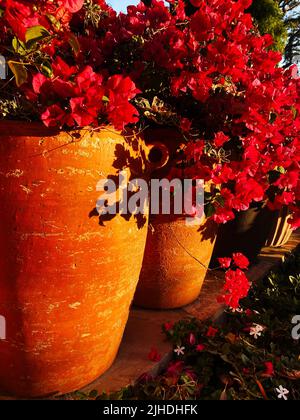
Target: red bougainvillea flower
{"x":120,"y":91}
{"x":236,"y":287}
{"x":225,"y":262}
{"x":221,"y":139}
{"x":196,"y":3}
{"x":241,"y":261}
{"x":223,"y":215}
{"x":168,"y":326}
{"x":84,"y":110}
{"x":175,"y":369}
{"x":153,"y":355}
{"x":212,"y":332}
{"x":72,"y":6}
{"x":204,"y":70}
{"x":249,"y":313}
{"x":21,"y":16}
{"x":54,"y":116}
{"x":269,"y":372}
{"x":90,"y":96}
{"x":200,"y":347}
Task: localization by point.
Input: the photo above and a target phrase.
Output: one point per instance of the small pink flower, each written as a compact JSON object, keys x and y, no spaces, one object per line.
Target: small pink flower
{"x":192,"y":339}
{"x":200,"y":347}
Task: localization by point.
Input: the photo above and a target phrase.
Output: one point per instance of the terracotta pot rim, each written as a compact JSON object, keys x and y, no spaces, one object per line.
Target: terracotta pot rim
{"x":26,"y":128}
{"x":52,"y":130}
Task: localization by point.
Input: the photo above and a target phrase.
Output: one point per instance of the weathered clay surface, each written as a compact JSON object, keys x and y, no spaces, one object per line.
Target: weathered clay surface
{"x":175,"y":263}
{"x":66,"y":282}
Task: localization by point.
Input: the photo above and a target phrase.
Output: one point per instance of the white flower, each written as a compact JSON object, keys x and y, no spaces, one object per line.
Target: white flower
{"x":282,"y":392}
{"x":256,"y":330}
{"x":179,"y":350}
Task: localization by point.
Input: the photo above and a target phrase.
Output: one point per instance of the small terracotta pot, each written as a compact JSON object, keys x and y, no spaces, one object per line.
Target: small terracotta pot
{"x":67,"y":281}
{"x":175,"y":262}
{"x":281,"y":230}
{"x":247,"y":234}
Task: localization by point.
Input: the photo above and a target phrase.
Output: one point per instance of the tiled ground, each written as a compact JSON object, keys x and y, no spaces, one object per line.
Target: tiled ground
{"x":144,"y":326}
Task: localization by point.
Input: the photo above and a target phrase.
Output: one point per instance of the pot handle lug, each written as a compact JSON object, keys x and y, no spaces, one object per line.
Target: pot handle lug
{"x":157,"y":155}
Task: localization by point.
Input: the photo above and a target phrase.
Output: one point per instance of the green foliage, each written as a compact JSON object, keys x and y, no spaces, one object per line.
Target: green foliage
{"x":19,"y":71}
{"x":28,"y":54}
{"x":291,"y":10}
{"x":270,"y":20}
{"x":35,"y":34}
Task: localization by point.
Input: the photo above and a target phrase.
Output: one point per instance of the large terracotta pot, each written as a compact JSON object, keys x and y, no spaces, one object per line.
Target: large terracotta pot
{"x":175,"y":263}
{"x":66,"y":280}
{"x":281,"y":230}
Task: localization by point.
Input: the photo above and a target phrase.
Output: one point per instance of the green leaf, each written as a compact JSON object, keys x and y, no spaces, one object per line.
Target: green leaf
{"x":35,"y":34}
{"x":226,"y":349}
{"x":54,"y":21}
{"x":294,"y":111}
{"x":93,"y":393}
{"x":19,"y":71}
{"x":281,"y":169}
{"x":220,"y":199}
{"x":209,"y":210}
{"x":19,"y":46}
{"x":46,"y":69}
{"x":245,"y":359}
{"x":73,"y":41}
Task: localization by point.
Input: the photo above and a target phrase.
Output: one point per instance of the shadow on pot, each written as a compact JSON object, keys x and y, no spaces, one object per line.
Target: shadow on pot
{"x":135,"y":162}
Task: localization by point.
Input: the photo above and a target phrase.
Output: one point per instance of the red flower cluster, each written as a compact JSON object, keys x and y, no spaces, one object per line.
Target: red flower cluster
{"x":237,"y":285}
{"x":69,"y":89}
{"x":238,"y":259}
{"x":208,"y":73}
{"x":222,"y":83}
{"x":88,"y":95}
